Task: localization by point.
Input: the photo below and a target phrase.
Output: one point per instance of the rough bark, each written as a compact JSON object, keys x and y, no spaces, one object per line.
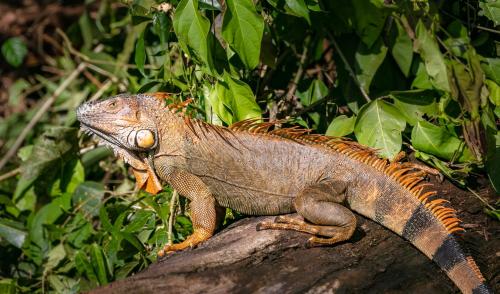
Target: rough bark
{"x":240,"y":259}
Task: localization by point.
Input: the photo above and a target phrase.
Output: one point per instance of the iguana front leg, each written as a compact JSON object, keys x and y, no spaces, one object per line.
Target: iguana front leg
{"x":203,"y":207}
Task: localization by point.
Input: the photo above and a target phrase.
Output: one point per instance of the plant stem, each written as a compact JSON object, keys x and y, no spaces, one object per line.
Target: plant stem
{"x":173,"y":201}
{"x":349,"y":68}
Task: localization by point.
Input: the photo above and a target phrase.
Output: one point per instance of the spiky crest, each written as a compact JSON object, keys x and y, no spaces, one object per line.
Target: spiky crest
{"x":407,"y":176}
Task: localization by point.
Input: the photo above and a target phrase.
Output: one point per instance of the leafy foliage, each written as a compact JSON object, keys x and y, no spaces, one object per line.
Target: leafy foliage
{"x":384,"y":73}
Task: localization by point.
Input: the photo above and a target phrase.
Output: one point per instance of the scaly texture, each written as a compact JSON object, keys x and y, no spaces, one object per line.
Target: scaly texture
{"x":260,"y":169}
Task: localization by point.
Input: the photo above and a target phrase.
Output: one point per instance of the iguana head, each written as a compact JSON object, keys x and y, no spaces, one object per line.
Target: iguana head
{"x":127,"y":124}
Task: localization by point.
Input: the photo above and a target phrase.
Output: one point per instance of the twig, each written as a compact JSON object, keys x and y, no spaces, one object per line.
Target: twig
{"x":101,"y":90}
{"x":300,"y":71}
{"x":173,"y":200}
{"x":10,"y":174}
{"x":481,"y":198}
{"x":38,"y":115}
{"x":349,"y":68}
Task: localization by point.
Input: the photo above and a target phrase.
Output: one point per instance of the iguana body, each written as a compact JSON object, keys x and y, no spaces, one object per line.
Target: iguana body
{"x":257,"y":169}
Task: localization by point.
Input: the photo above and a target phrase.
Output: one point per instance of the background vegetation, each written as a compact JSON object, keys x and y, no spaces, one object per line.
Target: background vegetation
{"x":420,"y":76}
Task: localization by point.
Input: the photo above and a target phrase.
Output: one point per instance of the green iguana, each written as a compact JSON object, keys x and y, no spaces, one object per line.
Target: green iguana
{"x":257,"y":168}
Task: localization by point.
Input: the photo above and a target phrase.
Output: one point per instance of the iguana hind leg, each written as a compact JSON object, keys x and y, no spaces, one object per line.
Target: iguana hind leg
{"x":319,"y":205}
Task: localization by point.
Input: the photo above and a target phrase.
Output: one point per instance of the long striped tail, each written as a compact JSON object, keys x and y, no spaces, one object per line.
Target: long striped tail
{"x":433,"y":238}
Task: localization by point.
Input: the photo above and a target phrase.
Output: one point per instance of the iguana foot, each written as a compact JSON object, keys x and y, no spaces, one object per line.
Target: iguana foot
{"x":196,"y":238}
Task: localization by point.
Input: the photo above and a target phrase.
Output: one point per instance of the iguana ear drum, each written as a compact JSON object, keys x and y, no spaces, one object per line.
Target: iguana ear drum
{"x":145,"y":139}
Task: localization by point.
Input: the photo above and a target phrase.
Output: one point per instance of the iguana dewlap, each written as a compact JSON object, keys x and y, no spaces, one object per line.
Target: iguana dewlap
{"x":257,"y":169}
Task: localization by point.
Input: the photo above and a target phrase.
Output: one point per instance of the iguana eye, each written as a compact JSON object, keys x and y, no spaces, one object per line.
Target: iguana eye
{"x":145,"y":139}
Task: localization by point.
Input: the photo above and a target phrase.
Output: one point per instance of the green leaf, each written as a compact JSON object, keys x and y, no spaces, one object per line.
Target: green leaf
{"x":402,"y":49}
{"x":379,"y":125}
{"x":316,"y":91}
{"x":192,"y":29}
{"x":242,"y":29}
{"x":13,"y":232}
{"x":494,"y":90}
{"x":98,"y":263}
{"x":413,"y":104}
{"x":8,"y":286}
{"x":218,"y":100}
{"x":82,"y":264}
{"x":490,"y":9}
{"x":493,"y":165}
{"x":140,"y":53}
{"x":341,"y":126}
{"x":298,"y":8}
{"x":56,"y":255}
{"x":368,"y":60}
{"x":243,"y":104}
{"x":457,"y":177}
{"x":14,"y":50}
{"x":491,"y":67}
{"x":369,"y":19}
{"x":433,"y":59}
{"x":54,"y":147}
{"x":88,"y":196}
{"x":438,"y":141}
{"x":47,"y":215}
{"x":139,"y":219}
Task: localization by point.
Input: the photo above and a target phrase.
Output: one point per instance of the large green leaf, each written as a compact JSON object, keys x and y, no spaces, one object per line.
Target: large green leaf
{"x":402,"y":48}
{"x":433,"y":59}
{"x":242,"y":28}
{"x":368,"y":60}
{"x":243,"y":104}
{"x":341,"y":126}
{"x":192,"y":28}
{"x":379,"y":125}
{"x":439,"y":141}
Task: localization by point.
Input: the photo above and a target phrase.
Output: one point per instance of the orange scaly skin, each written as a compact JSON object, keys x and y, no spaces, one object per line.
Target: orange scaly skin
{"x":258,"y":169}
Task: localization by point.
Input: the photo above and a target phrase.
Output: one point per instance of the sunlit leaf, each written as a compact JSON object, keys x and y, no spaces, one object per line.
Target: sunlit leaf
{"x":438,"y":141}
{"x":341,"y":126}
{"x":242,"y":29}
{"x":379,"y":125}
{"x":192,"y":28}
